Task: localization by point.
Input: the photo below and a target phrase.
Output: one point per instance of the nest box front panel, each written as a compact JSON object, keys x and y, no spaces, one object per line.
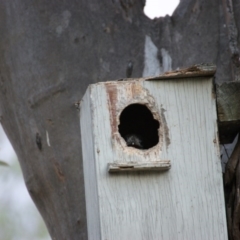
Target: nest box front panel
{"x":167,"y":129}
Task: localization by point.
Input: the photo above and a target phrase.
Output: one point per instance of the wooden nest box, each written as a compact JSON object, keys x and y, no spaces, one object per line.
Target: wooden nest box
{"x":151,"y":158}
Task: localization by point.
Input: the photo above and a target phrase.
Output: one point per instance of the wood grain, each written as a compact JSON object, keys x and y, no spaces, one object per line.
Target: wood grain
{"x":185,"y":202}
{"x":135,"y":166}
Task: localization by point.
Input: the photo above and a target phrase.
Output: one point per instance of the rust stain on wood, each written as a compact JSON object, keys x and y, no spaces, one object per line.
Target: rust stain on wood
{"x":136,"y":89}
{"x":132,"y":91}
{"x":121,"y":95}
{"x":112,"y":102}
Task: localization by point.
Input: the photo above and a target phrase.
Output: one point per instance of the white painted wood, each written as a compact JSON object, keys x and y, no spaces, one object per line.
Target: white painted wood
{"x":185,"y":202}
{"x":136,"y":166}
{"x":90,"y":176}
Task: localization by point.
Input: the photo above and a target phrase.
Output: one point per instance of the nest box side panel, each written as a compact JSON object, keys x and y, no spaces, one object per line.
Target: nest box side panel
{"x":89,"y":166}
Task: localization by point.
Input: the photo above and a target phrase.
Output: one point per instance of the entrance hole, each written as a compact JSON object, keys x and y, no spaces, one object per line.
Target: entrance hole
{"x":138,"y":127}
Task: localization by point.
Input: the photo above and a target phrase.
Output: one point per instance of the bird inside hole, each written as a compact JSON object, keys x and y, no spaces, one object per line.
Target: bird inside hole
{"x":134,"y":140}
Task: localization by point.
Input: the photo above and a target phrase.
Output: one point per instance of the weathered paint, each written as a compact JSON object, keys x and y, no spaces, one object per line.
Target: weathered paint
{"x":135,"y":166}
{"x":181,"y":203}
{"x":119,"y":96}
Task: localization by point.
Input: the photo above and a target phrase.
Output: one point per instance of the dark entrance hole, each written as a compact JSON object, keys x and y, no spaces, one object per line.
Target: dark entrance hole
{"x":138,"y":127}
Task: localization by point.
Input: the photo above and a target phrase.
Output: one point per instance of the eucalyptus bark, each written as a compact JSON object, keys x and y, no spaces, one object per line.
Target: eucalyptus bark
{"x":50,"y":51}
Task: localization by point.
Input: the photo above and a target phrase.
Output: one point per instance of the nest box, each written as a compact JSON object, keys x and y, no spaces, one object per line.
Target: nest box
{"x":151,"y":159}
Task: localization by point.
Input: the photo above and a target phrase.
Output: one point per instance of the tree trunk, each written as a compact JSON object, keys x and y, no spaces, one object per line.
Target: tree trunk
{"x":50,"y":51}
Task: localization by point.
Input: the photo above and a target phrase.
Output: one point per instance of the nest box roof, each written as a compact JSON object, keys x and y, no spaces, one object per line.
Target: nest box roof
{"x":198,"y":70}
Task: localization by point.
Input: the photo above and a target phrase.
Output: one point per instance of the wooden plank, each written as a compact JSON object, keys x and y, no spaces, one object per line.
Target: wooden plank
{"x":198,"y":70}
{"x":228,"y":108}
{"x":89,"y":167}
{"x":136,"y":166}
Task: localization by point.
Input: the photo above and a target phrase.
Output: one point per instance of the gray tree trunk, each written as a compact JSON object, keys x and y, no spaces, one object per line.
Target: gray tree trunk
{"x":51,"y":50}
